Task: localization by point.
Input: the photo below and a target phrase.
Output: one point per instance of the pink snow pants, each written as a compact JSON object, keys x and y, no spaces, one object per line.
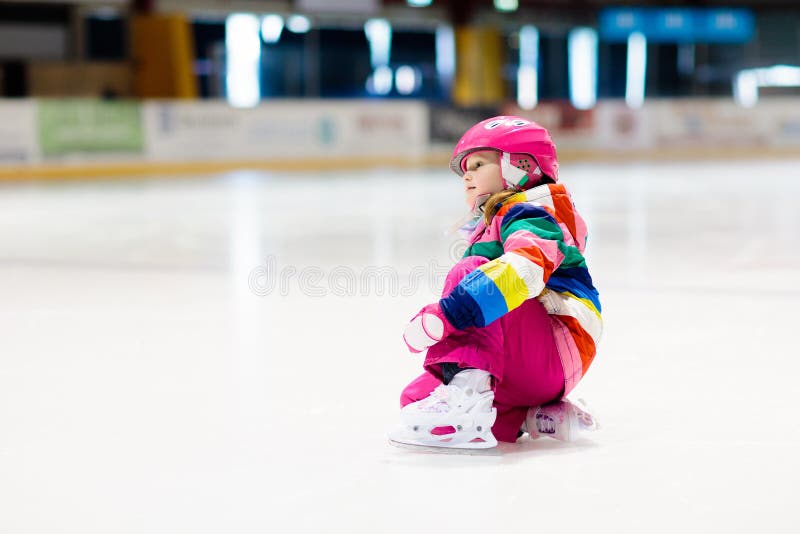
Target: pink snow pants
{"x":518,"y":350}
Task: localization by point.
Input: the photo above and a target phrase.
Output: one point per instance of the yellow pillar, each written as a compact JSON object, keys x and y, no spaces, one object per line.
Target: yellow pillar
{"x":479,"y":67}
{"x":163,"y":56}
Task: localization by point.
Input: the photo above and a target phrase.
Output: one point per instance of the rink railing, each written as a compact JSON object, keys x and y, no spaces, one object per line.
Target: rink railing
{"x":85,"y":138}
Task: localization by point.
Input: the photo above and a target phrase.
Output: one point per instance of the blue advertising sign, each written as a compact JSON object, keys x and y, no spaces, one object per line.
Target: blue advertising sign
{"x":727,"y":26}
{"x":678,"y":25}
{"x":617,"y":23}
{"x":671,"y":25}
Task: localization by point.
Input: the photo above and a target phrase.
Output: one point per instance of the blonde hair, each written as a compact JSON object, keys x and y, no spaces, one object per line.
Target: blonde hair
{"x":494,"y":203}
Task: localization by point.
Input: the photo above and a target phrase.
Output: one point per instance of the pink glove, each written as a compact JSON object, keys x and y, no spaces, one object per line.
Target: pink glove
{"x":427,"y":328}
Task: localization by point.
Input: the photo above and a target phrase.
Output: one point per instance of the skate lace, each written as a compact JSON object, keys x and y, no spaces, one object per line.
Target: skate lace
{"x":442,"y":398}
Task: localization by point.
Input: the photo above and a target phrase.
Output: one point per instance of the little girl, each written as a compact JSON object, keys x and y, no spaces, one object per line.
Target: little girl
{"x":519,"y":319}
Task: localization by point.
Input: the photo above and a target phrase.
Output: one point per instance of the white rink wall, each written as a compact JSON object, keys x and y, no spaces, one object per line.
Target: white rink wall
{"x":46,"y":131}
{"x":307,"y":134}
{"x":687,"y":125}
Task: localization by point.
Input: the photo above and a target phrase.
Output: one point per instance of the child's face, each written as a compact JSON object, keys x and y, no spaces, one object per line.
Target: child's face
{"x":482,"y":175}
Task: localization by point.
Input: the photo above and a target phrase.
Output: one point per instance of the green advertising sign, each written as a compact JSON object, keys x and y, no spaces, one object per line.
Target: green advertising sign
{"x":89,"y":126}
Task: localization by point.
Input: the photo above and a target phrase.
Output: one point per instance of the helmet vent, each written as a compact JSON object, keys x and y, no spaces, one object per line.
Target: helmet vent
{"x":524,"y":164}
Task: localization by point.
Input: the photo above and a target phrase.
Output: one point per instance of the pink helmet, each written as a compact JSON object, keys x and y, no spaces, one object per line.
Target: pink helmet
{"x":519,"y":141}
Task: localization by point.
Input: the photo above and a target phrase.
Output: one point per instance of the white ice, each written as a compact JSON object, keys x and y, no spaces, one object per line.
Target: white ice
{"x":208,"y":354}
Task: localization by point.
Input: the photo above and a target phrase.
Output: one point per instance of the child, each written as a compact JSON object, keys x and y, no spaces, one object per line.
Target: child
{"x":519,"y":319}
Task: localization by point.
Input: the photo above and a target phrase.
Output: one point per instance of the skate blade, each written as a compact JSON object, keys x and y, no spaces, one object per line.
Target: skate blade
{"x":441,"y":449}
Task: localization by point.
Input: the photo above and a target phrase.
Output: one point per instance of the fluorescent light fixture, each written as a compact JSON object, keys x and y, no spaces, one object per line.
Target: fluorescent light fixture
{"x":380,"y":82}
{"x":527,"y":87}
{"x":406,"y":79}
{"x":271,"y":28}
{"x":747,"y":82}
{"x":529,"y":46}
{"x":445,"y":52}
{"x":243,"y":52}
{"x":506,"y":5}
{"x":379,"y":35}
{"x":637,"y":69}
{"x":528,"y":72}
{"x":582,"y":59}
{"x":419,"y":3}
{"x":778,"y":76}
{"x":298,"y":24}
{"x":745,"y":89}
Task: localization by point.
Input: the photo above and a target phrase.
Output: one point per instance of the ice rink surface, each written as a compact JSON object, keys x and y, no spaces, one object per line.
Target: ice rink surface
{"x":223,"y":354}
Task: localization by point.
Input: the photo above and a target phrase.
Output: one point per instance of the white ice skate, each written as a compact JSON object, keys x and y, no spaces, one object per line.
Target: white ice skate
{"x":464,"y":405}
{"x":563,"y":420}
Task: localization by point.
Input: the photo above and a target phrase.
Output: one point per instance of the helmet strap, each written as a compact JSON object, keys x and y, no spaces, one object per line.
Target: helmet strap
{"x":480,"y":200}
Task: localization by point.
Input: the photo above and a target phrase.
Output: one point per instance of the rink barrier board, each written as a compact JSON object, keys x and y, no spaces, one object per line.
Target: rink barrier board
{"x":121,"y":134}
{"x":86,"y":138}
{"x":148,"y":169}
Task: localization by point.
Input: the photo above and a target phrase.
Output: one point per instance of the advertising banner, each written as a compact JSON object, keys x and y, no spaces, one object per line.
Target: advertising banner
{"x":17,"y":131}
{"x":710,"y":123}
{"x":285,"y":130}
{"x":622,"y":129}
{"x":69,"y":127}
{"x":376,"y":128}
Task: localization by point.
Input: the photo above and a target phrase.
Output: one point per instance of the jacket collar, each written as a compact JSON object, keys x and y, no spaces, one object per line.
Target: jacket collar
{"x":531,"y":195}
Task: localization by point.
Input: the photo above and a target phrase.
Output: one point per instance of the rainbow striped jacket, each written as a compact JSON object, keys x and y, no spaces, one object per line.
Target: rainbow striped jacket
{"x":536,"y":244}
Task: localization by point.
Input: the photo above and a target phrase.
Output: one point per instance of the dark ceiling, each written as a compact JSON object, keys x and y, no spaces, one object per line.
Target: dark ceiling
{"x":570,"y":4}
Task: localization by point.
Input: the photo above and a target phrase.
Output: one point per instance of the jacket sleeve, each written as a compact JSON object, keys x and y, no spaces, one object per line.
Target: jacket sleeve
{"x":534,"y":247}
